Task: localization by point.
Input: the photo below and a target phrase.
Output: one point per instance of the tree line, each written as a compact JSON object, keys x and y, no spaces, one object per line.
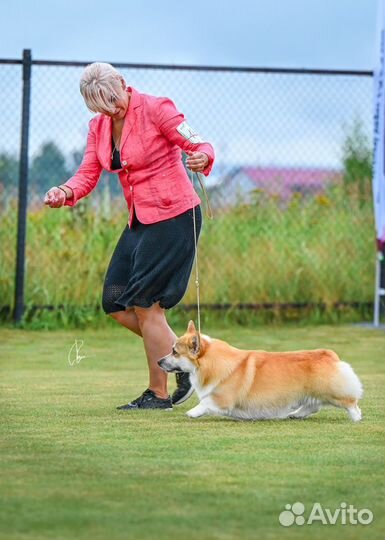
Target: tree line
{"x":49,"y":166}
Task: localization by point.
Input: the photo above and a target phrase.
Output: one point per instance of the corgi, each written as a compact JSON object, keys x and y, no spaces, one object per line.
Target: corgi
{"x":259,"y":385}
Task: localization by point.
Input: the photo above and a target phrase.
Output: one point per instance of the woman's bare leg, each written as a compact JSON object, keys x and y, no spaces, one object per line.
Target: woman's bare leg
{"x":158,"y":341}
{"x":128,"y":319}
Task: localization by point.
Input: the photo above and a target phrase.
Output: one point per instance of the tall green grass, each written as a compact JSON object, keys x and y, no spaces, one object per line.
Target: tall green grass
{"x":313,"y":250}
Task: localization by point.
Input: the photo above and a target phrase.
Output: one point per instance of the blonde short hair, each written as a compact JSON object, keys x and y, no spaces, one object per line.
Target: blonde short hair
{"x":101,"y":85}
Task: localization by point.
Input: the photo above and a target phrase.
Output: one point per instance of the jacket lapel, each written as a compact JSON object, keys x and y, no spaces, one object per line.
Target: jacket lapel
{"x":130,"y":118}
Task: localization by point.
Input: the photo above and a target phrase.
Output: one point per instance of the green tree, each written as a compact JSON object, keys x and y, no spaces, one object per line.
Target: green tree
{"x":48,"y":168}
{"x":9,"y":170}
{"x":357,"y":160}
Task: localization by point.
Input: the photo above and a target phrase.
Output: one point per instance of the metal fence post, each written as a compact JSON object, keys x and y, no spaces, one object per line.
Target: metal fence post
{"x":379,"y":293}
{"x":23,"y":189}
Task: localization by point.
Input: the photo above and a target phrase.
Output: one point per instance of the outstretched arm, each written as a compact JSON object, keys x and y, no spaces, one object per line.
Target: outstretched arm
{"x":88,"y":174}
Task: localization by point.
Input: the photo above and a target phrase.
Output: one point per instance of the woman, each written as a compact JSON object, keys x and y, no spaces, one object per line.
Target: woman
{"x":140,"y":137}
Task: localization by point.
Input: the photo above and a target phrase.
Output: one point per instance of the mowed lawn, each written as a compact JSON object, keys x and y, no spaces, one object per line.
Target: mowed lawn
{"x":73,"y":467}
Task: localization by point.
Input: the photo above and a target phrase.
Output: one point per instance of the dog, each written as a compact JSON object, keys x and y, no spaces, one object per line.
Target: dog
{"x":259,"y":385}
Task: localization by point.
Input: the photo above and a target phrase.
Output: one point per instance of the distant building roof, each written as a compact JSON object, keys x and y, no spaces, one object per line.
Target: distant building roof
{"x":292,"y":176}
{"x":238,"y":184}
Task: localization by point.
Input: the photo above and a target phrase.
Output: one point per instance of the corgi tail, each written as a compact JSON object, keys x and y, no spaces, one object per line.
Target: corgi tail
{"x":351,"y":383}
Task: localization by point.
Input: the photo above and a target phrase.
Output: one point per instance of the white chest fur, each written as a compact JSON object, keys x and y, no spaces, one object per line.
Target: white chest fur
{"x":202,"y":391}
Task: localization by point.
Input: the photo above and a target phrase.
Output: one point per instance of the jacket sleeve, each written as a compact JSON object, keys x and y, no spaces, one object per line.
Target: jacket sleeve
{"x":88,"y":174}
{"x":173,"y":126}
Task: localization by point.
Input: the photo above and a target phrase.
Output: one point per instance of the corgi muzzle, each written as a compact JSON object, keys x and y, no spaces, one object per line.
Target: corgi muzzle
{"x":169,"y":364}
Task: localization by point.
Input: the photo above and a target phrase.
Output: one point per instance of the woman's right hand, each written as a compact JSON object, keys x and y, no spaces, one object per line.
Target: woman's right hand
{"x":55,"y":197}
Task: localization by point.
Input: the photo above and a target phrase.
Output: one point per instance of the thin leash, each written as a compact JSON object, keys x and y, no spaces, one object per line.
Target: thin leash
{"x":209,"y":214}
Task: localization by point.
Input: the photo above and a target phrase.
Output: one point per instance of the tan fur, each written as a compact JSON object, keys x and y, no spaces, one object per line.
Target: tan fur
{"x":245,"y":380}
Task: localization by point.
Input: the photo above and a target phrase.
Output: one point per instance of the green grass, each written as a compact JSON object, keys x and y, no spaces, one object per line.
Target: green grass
{"x":75,"y":468}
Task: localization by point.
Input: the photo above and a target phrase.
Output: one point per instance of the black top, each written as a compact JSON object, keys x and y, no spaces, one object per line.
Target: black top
{"x":115,"y":162}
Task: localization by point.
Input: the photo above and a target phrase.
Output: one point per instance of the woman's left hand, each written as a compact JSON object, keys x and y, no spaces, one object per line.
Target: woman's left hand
{"x":197,"y":161}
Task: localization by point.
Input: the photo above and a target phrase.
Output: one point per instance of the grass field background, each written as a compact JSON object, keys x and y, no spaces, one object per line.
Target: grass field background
{"x":73,"y":467}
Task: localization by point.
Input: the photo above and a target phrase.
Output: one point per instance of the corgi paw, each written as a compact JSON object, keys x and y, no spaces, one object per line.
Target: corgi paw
{"x":196,"y":412}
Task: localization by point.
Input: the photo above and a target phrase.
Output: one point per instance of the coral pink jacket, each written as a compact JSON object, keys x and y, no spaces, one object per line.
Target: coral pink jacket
{"x":154,"y":181}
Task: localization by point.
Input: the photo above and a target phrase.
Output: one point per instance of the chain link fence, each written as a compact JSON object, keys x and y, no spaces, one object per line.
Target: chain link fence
{"x":291,"y":186}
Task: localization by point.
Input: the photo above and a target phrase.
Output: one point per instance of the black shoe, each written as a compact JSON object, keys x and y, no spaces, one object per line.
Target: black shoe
{"x":148,"y":400}
{"x":183,"y":390}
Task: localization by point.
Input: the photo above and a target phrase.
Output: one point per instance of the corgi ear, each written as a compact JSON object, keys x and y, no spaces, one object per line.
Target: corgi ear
{"x":195,"y":344}
{"x":191,"y":328}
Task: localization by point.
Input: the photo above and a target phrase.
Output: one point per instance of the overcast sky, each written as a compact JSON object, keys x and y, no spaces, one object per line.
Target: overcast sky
{"x":250,"y":119}
{"x":281,"y":33}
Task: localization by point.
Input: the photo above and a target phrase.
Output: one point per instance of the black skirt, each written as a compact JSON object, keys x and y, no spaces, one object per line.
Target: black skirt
{"x":151,"y":263}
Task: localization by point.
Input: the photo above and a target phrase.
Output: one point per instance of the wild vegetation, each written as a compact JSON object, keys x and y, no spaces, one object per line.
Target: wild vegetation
{"x":310,"y":249}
